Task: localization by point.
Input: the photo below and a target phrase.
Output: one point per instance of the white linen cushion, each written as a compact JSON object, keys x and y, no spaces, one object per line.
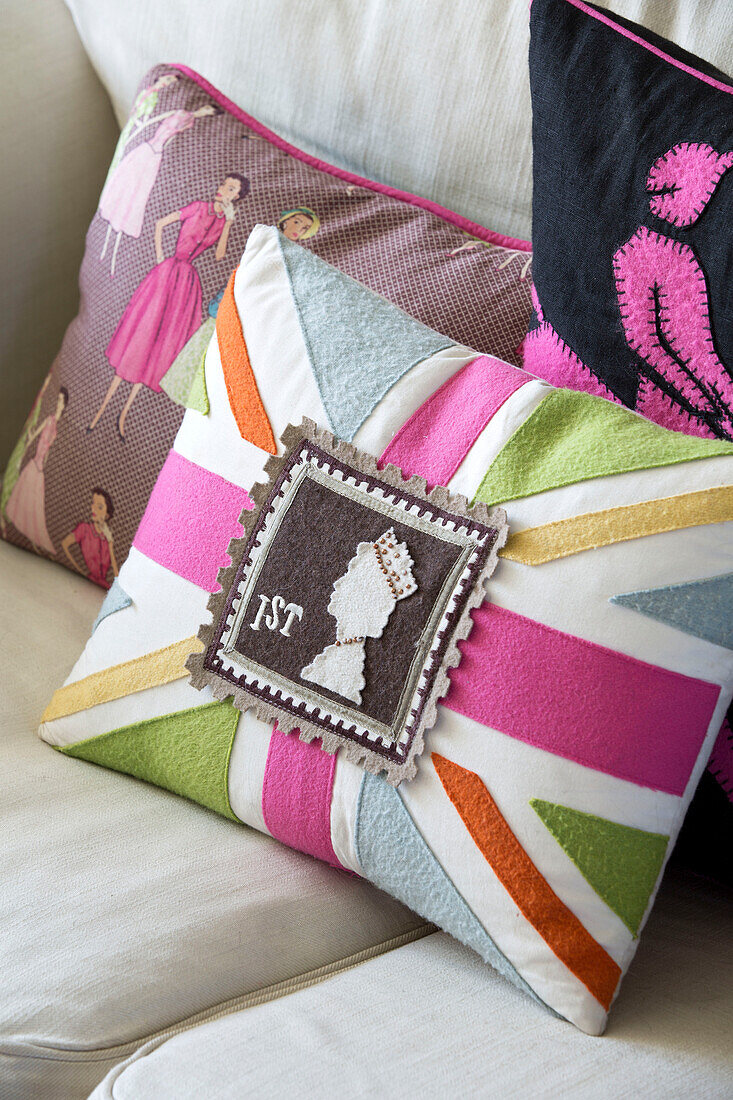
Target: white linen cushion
{"x":463,"y":1031}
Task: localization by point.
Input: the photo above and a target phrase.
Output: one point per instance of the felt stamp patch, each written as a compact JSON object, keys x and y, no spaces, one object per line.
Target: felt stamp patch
{"x":342,"y":610}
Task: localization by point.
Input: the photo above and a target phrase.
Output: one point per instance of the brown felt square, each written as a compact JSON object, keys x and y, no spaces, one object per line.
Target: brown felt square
{"x":324,"y":499}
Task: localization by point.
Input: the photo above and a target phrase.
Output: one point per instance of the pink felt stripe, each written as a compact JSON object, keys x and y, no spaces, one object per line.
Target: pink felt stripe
{"x":603,"y":18}
{"x":191,"y":517}
{"x":382,"y":188}
{"x":582,"y":701}
{"x":439,"y":435}
{"x":296,"y":794}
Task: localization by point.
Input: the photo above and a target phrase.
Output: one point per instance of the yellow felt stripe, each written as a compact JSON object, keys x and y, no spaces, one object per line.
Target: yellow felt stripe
{"x":159,"y":667}
{"x":563,"y":537}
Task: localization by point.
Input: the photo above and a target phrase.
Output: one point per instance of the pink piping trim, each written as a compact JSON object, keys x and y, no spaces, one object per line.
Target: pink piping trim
{"x":648,"y":46}
{"x":467,"y":226}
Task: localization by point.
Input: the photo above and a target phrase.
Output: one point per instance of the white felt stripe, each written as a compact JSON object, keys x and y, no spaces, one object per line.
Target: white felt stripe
{"x":407,"y":395}
{"x":573,"y":595}
{"x":247,"y":765}
{"x":616,"y":490}
{"x":515,"y":772}
{"x":165,"y":608}
{"x":502,"y":425}
{"x":154,"y":702}
{"x":344,"y":801}
{"x":272,"y":333}
{"x":213,"y":441}
{"x":449,"y":840}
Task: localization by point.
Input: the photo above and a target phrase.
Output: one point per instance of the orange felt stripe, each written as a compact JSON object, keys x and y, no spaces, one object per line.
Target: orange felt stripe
{"x":559,"y":927}
{"x":244,"y":397}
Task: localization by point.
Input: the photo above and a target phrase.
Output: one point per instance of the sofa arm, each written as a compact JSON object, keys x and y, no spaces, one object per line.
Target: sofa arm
{"x":57,"y":133}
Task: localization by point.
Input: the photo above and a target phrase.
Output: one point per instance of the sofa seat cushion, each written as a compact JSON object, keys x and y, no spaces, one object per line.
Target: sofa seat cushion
{"x":464,"y":1031}
{"x":124,"y":909}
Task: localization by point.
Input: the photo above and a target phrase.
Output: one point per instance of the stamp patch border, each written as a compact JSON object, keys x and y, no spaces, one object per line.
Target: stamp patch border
{"x":313,"y":452}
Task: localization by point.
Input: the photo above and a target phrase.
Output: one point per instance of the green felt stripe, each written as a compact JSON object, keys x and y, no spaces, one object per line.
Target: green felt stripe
{"x":573,"y":437}
{"x":186,"y":752}
{"x":621,"y":864}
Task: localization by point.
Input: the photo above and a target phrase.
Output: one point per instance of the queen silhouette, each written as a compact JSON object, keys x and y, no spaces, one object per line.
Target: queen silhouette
{"x":363,"y":598}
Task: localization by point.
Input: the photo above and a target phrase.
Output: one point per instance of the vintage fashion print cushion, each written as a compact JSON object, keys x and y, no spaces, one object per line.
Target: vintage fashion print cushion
{"x":633,"y":247}
{"x":576,"y":713}
{"x":191,"y":175}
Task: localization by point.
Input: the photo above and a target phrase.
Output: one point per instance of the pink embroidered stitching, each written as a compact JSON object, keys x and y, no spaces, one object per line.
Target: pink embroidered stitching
{"x":663,"y":408}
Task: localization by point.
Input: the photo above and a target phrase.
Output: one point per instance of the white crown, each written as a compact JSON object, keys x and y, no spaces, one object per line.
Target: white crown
{"x":396,"y":564}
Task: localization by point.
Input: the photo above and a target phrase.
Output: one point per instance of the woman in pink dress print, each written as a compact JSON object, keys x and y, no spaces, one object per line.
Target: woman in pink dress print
{"x":165,"y":310}
{"x":126,"y":193}
{"x":26,"y":507}
{"x":94,"y":541}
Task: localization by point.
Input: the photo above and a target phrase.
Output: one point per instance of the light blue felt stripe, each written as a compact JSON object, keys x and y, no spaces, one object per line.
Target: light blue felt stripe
{"x":701,"y":608}
{"x":115,"y":600}
{"x":359,"y":344}
{"x":394,"y":856}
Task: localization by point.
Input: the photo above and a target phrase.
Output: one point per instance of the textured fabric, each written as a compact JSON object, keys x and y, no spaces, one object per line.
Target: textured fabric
{"x":160,"y":666}
{"x":66,"y":128}
{"x":631,"y":222}
{"x":581,"y":700}
{"x":437,"y":438}
{"x":393,"y":854}
{"x":669,"y":1033}
{"x":378,"y":88}
{"x":194,"y":174}
{"x":556,"y":923}
{"x":393,"y":573}
{"x":560,"y":538}
{"x":115,"y":600}
{"x":244,"y":397}
{"x":470,"y":152}
{"x":576,"y":702}
{"x":126,"y":910}
{"x":296,"y":795}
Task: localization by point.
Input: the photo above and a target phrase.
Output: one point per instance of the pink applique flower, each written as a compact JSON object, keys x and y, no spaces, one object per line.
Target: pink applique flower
{"x":683,"y":180}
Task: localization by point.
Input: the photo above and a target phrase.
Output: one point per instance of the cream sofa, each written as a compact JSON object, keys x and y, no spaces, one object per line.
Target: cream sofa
{"x":151,"y":950}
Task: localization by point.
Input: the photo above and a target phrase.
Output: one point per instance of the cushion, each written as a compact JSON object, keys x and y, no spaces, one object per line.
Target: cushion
{"x":557,"y":770}
{"x":67,"y":128}
{"x":127,"y":911}
{"x":190,"y":177}
{"x":669,"y":1034}
{"x":630,"y":216}
{"x":632,"y":245}
{"x":379,"y":88}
